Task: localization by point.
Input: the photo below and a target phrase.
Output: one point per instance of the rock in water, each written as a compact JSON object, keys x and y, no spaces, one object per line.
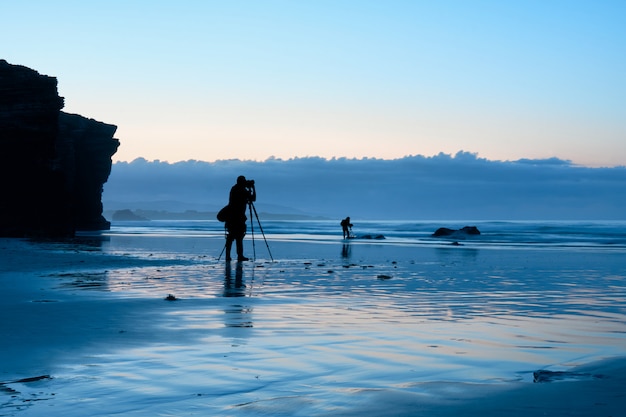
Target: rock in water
{"x":464,"y":231}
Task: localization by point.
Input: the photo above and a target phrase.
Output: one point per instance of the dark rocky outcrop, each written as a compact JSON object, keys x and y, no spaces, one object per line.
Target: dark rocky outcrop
{"x":464,"y":231}
{"x":52,"y":164}
{"x":85,"y":149}
{"x":127,"y":215}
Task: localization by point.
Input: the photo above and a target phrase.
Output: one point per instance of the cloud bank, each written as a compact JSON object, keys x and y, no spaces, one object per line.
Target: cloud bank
{"x":441,"y":187}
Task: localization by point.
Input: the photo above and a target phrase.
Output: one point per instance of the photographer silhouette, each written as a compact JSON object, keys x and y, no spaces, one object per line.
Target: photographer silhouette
{"x":241,"y":194}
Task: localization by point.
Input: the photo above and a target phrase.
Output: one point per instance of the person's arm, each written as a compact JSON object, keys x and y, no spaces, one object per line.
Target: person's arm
{"x":252,"y":197}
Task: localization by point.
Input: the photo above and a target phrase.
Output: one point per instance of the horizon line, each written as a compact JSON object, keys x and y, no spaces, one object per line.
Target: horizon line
{"x":459,"y":155}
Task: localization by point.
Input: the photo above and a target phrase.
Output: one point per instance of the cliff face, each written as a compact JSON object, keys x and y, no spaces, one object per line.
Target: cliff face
{"x":84,"y":149}
{"x":52,"y":164}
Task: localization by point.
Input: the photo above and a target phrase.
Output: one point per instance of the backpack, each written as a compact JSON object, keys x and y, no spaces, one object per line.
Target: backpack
{"x":224,"y":214}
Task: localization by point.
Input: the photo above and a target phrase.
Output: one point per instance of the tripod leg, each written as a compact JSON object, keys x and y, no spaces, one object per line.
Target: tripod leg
{"x":252,"y":231}
{"x":261,"y":228}
{"x":225,"y":244}
{"x":221,"y":253}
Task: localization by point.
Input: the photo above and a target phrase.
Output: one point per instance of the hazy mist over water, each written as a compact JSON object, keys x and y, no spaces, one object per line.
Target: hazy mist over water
{"x":443,"y":187}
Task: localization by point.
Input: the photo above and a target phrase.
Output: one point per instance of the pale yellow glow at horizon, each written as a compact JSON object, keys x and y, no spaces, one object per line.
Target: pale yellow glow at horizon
{"x":358,"y":136}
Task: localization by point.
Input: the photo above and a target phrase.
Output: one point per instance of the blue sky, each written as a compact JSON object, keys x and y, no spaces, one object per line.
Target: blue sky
{"x":211,"y":80}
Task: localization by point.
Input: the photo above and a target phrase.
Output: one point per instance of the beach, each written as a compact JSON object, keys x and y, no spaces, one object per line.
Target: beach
{"x":147,"y":324}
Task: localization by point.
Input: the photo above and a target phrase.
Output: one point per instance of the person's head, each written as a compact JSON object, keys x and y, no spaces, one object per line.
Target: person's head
{"x":241,"y":180}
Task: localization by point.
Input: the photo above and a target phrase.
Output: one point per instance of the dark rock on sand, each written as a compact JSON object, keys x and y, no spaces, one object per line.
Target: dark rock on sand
{"x":465,"y":231}
{"x":52,"y":164}
{"x":552,"y":376}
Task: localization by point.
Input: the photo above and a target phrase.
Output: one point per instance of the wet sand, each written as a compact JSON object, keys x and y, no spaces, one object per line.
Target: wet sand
{"x":326,"y":329}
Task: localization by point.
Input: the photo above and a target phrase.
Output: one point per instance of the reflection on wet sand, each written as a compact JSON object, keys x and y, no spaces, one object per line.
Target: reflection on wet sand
{"x":237,"y":315}
{"x":345,"y":250}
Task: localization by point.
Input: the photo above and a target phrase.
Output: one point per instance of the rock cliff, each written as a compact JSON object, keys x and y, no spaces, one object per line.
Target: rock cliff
{"x":53,"y":165}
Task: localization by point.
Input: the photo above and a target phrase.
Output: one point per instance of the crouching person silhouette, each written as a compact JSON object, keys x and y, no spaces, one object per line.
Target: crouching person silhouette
{"x":346,"y":228}
{"x":241,"y":194}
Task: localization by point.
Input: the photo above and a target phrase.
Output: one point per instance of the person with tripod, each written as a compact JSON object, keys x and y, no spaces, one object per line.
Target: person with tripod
{"x":241,"y":194}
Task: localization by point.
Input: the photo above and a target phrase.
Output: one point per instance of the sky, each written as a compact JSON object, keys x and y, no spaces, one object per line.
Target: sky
{"x":216,"y":80}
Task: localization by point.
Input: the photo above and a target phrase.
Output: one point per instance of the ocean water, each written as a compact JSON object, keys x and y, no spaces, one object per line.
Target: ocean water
{"x":605,"y":235}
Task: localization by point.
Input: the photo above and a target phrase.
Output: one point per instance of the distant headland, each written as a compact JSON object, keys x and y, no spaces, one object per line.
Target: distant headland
{"x":53,"y":164}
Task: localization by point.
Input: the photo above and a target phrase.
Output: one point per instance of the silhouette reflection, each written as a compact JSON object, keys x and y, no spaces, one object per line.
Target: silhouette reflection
{"x":88,"y":242}
{"x":346,"y":250}
{"x":234,"y":288}
{"x":237,"y":315}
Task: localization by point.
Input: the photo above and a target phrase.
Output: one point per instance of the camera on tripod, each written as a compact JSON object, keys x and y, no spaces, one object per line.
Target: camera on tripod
{"x":249,"y":183}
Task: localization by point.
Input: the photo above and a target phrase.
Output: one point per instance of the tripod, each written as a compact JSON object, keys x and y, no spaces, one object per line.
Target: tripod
{"x":251,"y":207}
